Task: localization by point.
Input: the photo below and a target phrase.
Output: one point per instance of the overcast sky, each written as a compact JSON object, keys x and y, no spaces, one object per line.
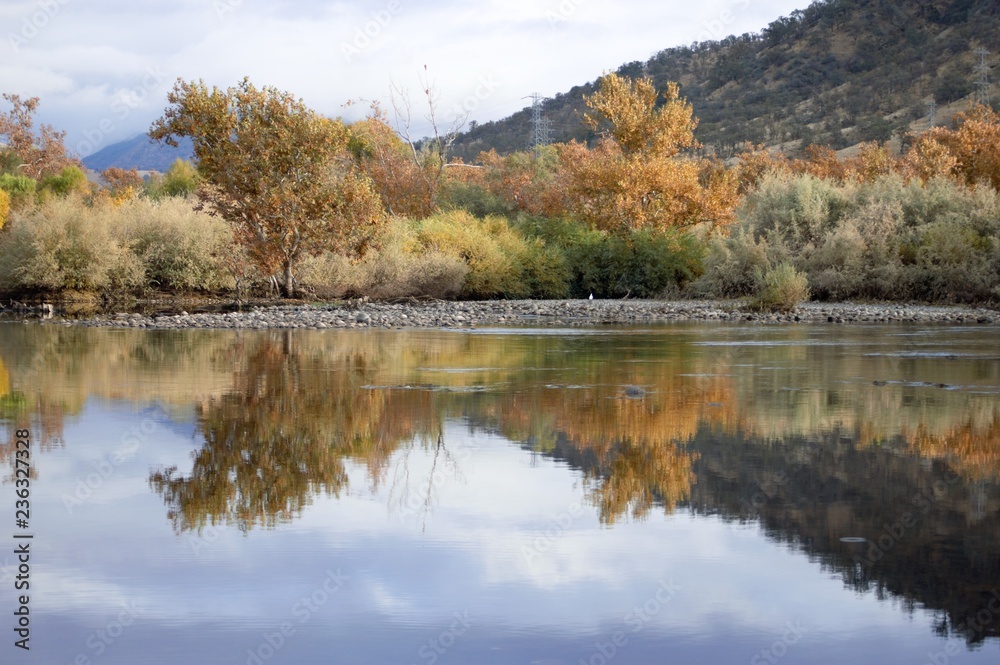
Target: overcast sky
{"x":102,"y":69}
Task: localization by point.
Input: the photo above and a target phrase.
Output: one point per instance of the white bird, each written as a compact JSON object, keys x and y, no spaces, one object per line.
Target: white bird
{"x":591,"y":296}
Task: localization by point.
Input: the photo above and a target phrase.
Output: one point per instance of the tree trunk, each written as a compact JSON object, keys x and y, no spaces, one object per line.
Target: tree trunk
{"x":289,"y":280}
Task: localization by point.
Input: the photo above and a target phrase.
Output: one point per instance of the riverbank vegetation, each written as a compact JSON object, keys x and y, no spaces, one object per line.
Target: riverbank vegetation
{"x":284,"y":200}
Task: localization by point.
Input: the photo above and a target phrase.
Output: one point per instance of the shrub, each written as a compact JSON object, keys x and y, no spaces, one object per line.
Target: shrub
{"x":779,"y":289}
{"x":641,"y":264}
{"x":21,"y":189}
{"x":65,"y":244}
{"x":888,"y":239}
{"x":178,"y":248}
{"x":181,"y":179}
{"x":69,"y":181}
{"x":502,"y":262}
{"x":398,"y":267}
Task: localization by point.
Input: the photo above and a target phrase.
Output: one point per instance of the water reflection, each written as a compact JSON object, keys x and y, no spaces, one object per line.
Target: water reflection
{"x":817,"y":434}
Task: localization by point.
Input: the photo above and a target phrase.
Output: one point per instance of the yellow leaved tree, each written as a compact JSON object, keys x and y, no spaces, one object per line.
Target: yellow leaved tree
{"x":638,"y":176}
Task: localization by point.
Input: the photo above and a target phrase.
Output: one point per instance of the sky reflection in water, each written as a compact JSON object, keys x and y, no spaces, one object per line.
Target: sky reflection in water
{"x":698,"y":522}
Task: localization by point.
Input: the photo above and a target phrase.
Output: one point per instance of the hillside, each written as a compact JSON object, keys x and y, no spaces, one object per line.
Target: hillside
{"x":837,"y":73}
{"x":140,"y":153}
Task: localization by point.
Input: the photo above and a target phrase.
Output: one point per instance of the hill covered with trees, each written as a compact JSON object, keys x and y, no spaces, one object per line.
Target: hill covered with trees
{"x":838,"y":73}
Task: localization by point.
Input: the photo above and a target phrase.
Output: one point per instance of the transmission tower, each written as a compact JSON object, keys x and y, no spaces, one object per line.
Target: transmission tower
{"x":932,"y":113}
{"x":983,"y":77}
{"x":539,"y":121}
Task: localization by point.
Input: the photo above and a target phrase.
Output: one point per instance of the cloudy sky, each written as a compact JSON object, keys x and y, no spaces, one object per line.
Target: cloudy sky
{"x":102,"y":69}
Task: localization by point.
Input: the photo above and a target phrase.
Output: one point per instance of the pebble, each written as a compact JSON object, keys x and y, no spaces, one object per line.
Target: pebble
{"x":561,"y":313}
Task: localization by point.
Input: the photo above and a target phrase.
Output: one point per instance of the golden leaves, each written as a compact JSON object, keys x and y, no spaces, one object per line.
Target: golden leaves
{"x":282,"y":174}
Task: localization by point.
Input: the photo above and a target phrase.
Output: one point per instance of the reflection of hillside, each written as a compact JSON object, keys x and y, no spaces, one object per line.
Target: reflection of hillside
{"x":930,"y":535}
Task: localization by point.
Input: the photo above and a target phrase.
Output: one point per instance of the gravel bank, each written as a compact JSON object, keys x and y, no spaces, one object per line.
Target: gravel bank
{"x":536,"y":313}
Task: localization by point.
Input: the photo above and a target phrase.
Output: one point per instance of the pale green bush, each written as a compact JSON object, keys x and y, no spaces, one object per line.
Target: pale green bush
{"x":885,"y":240}
{"x":179,"y":248}
{"x":447,"y":255}
{"x":779,"y":289}
{"x":398,"y":267}
{"x":65,"y":244}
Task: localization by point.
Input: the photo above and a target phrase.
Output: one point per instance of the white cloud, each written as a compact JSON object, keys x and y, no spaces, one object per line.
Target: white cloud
{"x":78,"y":56}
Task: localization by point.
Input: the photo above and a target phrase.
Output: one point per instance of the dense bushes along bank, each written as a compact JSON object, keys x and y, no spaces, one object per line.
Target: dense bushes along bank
{"x":885,"y":240}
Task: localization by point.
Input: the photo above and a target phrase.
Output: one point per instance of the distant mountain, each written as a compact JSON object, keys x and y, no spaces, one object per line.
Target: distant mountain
{"x":140,"y":153}
{"x":837,"y":73}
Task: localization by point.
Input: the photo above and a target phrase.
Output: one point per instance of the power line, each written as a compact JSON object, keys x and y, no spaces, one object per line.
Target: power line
{"x":983,"y":77}
{"x":540,"y":123}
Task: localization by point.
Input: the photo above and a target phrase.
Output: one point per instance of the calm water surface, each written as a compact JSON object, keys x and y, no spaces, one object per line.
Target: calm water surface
{"x":681,"y":494}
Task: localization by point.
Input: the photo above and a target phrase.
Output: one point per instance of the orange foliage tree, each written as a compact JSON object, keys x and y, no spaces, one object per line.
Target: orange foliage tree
{"x":122,"y":183}
{"x":970,"y":151}
{"x":400,"y":180}
{"x":41,"y":155}
{"x":280,"y":173}
{"x":636,"y":177}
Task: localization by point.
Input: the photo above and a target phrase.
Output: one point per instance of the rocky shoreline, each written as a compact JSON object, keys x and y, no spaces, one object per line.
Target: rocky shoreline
{"x":547,"y":313}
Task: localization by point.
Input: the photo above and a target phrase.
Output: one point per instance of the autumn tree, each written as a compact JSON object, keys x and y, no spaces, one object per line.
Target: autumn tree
{"x":403,"y":186}
{"x":970,"y":151}
{"x":37,"y":154}
{"x":429,"y":155}
{"x":123,"y":184}
{"x":637,"y":177}
{"x":280,"y":173}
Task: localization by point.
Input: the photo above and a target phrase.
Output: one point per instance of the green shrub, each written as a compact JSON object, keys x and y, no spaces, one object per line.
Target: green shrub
{"x":181,"y":179}
{"x":502,"y":262}
{"x":474,"y":199}
{"x":779,"y":289}
{"x":21,"y":189}
{"x":642,"y":264}
{"x":69,"y":181}
{"x":885,"y":240}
